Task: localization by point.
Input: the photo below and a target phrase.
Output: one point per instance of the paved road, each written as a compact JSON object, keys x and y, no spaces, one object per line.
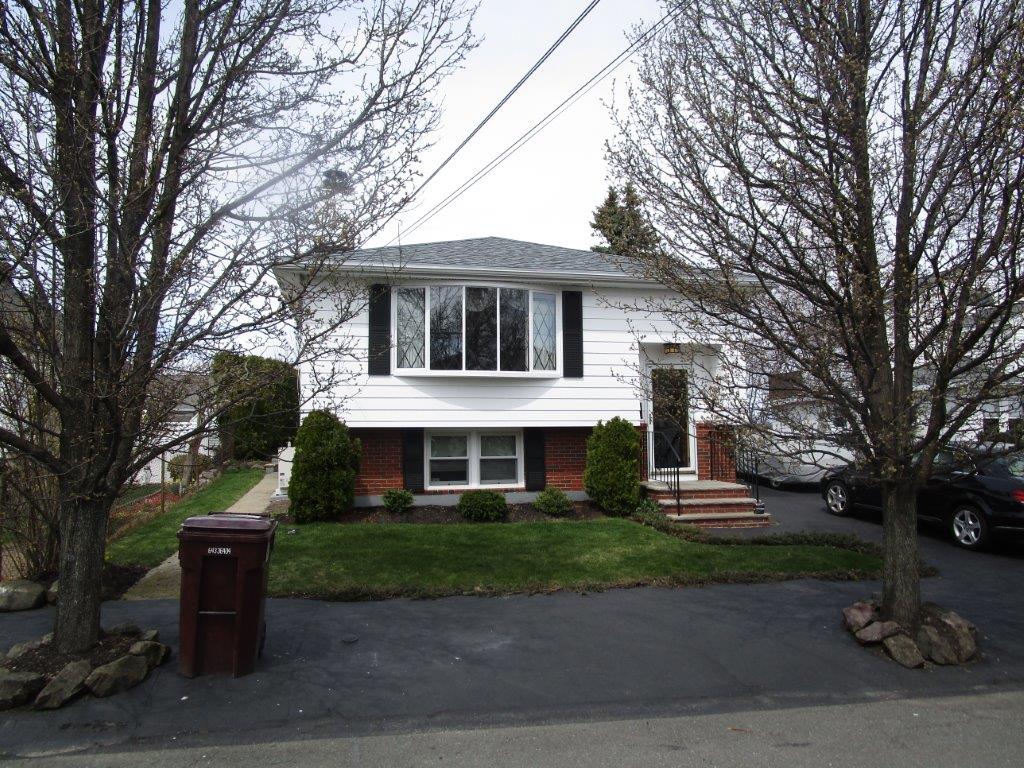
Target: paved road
{"x":549,"y":660}
{"x":939,"y":733}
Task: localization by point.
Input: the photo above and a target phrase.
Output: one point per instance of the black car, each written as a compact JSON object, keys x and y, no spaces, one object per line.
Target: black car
{"x":975,"y":495}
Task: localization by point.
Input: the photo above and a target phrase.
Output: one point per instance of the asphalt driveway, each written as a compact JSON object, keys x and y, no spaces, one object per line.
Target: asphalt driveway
{"x":470,"y":662}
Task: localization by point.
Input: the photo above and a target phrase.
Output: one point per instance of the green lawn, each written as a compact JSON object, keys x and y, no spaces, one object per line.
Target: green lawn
{"x":363,"y":560}
{"x":153,"y":542}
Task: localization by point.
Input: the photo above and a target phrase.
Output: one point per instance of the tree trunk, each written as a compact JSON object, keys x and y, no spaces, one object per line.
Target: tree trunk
{"x":83,"y":540}
{"x":901,"y":595}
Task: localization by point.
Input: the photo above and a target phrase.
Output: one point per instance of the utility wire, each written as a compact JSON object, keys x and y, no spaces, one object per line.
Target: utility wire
{"x":541,"y":124}
{"x":561,"y":38}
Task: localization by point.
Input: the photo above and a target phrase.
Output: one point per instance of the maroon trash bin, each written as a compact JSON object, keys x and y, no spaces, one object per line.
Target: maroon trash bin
{"x":224,"y":561}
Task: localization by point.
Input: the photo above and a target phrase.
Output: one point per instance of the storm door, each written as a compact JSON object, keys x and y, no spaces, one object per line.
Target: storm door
{"x":670,"y":424}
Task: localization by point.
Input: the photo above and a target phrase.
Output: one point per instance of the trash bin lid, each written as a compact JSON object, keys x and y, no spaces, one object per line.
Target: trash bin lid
{"x":225,"y":522}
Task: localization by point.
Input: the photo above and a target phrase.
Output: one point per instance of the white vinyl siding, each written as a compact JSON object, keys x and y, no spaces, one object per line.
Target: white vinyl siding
{"x":495,"y":398}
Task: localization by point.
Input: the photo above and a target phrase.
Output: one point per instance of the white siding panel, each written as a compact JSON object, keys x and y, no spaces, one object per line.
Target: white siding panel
{"x":608,"y":387}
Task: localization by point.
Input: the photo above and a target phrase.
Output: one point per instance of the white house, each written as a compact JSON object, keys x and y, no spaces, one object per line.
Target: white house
{"x":485,"y":363}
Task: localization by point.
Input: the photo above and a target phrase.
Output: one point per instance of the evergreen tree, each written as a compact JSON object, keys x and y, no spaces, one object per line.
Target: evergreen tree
{"x":623,"y":225}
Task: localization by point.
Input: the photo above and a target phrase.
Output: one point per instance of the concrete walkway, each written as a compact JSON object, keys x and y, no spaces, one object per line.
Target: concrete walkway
{"x":165,"y":580}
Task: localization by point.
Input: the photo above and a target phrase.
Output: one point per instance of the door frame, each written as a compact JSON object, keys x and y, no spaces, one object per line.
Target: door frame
{"x":690,"y":469}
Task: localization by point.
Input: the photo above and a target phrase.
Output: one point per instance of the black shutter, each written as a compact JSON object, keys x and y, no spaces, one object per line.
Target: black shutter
{"x":412,"y":459}
{"x":380,"y":331}
{"x":572,"y":334}
{"x":533,"y":459}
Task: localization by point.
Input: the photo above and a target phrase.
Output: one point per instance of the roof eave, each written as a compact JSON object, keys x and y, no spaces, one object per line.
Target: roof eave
{"x":448,"y":270}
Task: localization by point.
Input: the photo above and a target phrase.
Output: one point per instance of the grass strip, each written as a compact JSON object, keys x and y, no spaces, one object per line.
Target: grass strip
{"x":156,"y":540}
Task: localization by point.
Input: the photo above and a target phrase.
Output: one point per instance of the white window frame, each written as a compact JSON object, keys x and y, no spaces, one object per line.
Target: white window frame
{"x":473,"y":473}
{"x":529,"y":373}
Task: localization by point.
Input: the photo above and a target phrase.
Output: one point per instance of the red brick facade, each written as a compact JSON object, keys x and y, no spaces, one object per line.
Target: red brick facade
{"x":565,"y":458}
{"x":381,"y":466}
{"x":715,"y":458}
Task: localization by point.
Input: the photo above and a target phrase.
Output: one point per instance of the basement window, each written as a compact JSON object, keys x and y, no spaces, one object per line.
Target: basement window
{"x":474,"y":458}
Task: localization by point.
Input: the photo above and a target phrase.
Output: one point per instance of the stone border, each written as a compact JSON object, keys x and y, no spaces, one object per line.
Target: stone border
{"x":942,"y":637}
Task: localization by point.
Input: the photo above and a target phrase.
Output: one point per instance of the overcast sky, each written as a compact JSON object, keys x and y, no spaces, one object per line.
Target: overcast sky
{"x":547,"y":191}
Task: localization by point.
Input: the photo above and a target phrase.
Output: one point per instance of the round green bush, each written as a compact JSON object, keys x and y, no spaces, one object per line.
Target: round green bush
{"x":482,"y":506}
{"x":397,"y":500}
{"x":553,"y":502}
{"x":612,"y":475}
{"x":323,"y":480}
{"x":176,"y":466}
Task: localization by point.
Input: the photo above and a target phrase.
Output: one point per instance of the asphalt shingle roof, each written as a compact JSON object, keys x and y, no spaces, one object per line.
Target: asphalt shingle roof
{"x":496,"y":252}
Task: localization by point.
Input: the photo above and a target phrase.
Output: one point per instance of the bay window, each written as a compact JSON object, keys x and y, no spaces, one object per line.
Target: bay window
{"x":475,"y":329}
{"x":445,"y":328}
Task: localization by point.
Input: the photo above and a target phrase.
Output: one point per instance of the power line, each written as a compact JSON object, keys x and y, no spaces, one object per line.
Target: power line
{"x":541,"y":124}
{"x":561,"y":38}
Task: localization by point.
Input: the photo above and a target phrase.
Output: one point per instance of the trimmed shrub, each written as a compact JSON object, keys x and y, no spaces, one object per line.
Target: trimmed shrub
{"x":553,"y":501}
{"x":397,"y":500}
{"x":264,"y":414}
{"x":482,"y":506}
{"x":612,"y":475}
{"x":176,"y":466}
{"x":323,"y":480}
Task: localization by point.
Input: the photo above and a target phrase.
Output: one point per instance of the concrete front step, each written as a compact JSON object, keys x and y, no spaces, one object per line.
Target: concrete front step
{"x":711,"y":519}
{"x":701,"y":489}
{"x":693,"y":485}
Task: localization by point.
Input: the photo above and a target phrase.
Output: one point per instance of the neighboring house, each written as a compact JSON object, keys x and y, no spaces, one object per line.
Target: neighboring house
{"x":180,"y":420}
{"x":485,"y":363}
{"x":806,"y":437}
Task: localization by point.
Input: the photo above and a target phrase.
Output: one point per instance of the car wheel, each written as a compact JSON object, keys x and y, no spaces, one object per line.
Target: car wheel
{"x":969,"y":527}
{"x":837,"y":498}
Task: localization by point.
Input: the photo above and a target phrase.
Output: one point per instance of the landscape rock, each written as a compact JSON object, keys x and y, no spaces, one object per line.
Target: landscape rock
{"x":68,"y":683}
{"x":21,"y":595}
{"x":119,"y":675}
{"x":859,"y":615}
{"x":150,"y":635}
{"x":154,"y":653}
{"x":51,"y":593}
{"x":17,"y":688}
{"x":903,"y":650}
{"x":125,"y":628}
{"x":877,"y":631}
{"x":936,"y":645}
{"x":29,"y":645}
{"x":963,"y":634}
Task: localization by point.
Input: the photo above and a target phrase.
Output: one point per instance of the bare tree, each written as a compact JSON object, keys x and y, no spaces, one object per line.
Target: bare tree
{"x":157,"y":163}
{"x":838,"y":186}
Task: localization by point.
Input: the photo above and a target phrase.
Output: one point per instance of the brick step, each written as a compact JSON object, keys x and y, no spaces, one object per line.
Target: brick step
{"x":723,"y":519}
{"x":730,"y":502}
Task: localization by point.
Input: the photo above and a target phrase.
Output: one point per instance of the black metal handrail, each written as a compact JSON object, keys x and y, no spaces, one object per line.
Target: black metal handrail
{"x":746,"y":460}
{"x":673,"y":472}
{"x":723,"y":445}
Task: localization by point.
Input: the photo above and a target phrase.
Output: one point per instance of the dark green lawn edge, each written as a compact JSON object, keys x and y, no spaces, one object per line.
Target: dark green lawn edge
{"x":361,"y":594}
{"x":700,"y":535}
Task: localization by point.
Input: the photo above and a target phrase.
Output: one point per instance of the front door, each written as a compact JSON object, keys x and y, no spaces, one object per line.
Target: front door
{"x":670,"y":418}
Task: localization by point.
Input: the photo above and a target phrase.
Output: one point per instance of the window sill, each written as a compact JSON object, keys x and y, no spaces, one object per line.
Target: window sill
{"x":440,"y":489}
{"x":428,"y":374}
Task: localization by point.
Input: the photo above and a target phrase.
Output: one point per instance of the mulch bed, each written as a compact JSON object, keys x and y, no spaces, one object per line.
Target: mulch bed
{"x":45,"y":660}
{"x":517,"y":513}
{"x":118,"y":579}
